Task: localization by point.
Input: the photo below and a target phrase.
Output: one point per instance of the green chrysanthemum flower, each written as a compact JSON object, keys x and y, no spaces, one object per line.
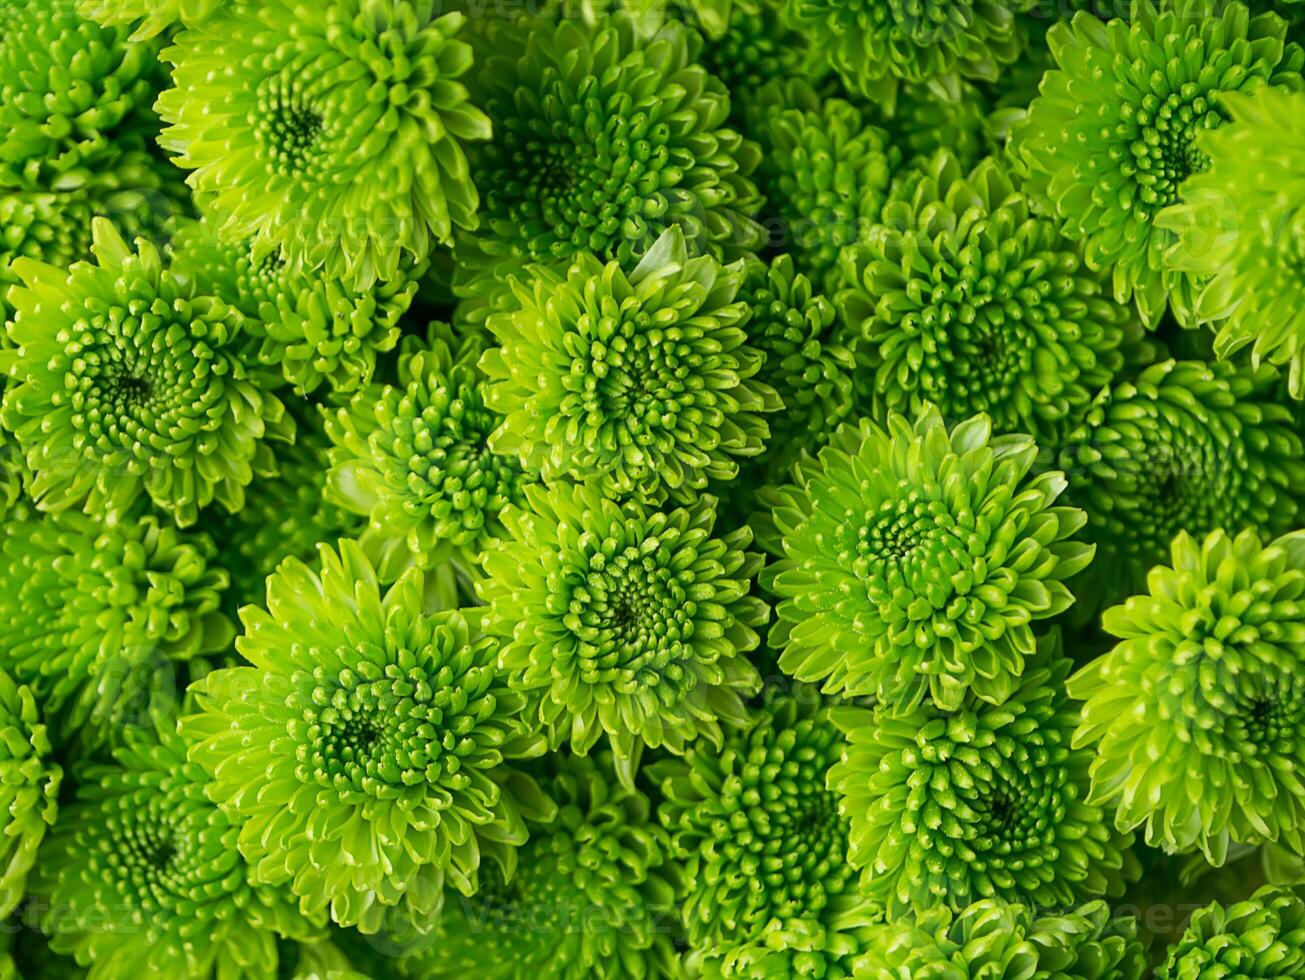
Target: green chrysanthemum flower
{"x":913,"y":561}
{"x":1113,"y":137}
{"x":285,"y":515}
{"x":1197,"y":715}
{"x":1186,"y":446}
{"x":760,"y":838}
{"x":149,"y":17}
{"x":966,"y":299}
{"x":68,"y":87}
{"x":875,"y":45}
{"x":330,"y":132}
{"x":413,"y":459}
{"x":130,"y":383}
{"x":640,"y":382}
{"x":1242,"y":223}
{"x":603,"y":140}
{"x":48,"y":216}
{"x":1261,"y":937}
{"x":363,"y":751}
{"x":29,"y":788}
{"x":317,"y":330}
{"x":989,"y":801}
{"x":590,"y":898}
{"x":826,"y":174}
{"x":1005,"y":942}
{"x":796,"y":329}
{"x":624,"y":621}
{"x":96,"y":620}
{"x":143,"y":878}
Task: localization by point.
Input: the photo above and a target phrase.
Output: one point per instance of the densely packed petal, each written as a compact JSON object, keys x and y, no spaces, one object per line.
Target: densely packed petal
{"x":332,"y":133}
{"x":1196,"y":715}
{"x":128,"y":383}
{"x":361,"y":751}
{"x":623,"y":622}
{"x":145,"y":880}
{"x":988,"y":802}
{"x":912,"y":561}
{"x":1113,"y":136}
{"x":638,"y":380}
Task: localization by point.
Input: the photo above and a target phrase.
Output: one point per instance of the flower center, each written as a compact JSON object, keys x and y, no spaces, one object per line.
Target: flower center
{"x":376,"y":729}
{"x":1014,"y":813}
{"x":288,"y":129}
{"x":1265,"y":724}
{"x":897,"y":532}
{"x":633,"y":617}
{"x":628,"y":611}
{"x":1262,"y":720}
{"x":1165,"y":154}
{"x":350,"y":742}
{"x":129,"y":390}
{"x":161,"y":855}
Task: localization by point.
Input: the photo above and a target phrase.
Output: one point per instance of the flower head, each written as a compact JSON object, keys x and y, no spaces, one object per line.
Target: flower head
{"x":913,"y":561}
{"x":826,"y":173}
{"x":413,"y":459}
{"x":68,"y":87}
{"x":623,"y":620}
{"x":142,"y":876}
{"x":589,"y":898}
{"x":97,"y":620}
{"x":318,"y":330}
{"x":602,"y":141}
{"x":330,"y":132}
{"x":1184,"y":446}
{"x":132,"y":384}
{"x":1242,"y":224}
{"x":1112,"y":139}
{"x":149,"y":17}
{"x":875,"y":45}
{"x":760,"y":838}
{"x":1262,"y":937}
{"x":1197,"y":715}
{"x":640,"y":381}
{"x":29,"y":788}
{"x":990,"y":939}
{"x":965,"y":298}
{"x":989,"y":801}
{"x":363,"y":751}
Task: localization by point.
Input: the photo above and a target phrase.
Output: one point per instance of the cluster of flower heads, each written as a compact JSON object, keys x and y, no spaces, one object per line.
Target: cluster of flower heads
{"x":652,"y":489}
